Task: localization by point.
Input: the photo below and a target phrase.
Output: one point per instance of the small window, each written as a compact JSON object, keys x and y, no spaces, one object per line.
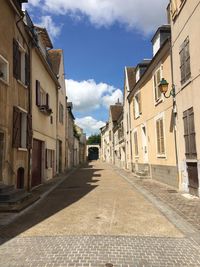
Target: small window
{"x":21,"y":66}
{"x":49,"y":158}
{"x":4,"y":69}
{"x":42,"y":98}
{"x":137,"y":105}
{"x":160,"y":137}
{"x":22,"y":131}
{"x":156,"y":80}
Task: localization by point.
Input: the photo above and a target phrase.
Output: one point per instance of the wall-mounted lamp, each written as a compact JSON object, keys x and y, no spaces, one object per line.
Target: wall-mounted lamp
{"x":163,"y":87}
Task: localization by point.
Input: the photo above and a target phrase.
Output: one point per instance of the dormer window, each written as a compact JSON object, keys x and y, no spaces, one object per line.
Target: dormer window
{"x":161,"y":35}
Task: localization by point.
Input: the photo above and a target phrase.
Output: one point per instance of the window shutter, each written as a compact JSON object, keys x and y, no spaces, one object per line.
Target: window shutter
{"x":47,"y":100}
{"x":187,"y":60}
{"x":38,"y":93}
{"x":134,"y":115}
{"x":46,"y":157}
{"x":29,"y":131}
{"x":27,"y":69}
{"x":158,"y":77}
{"x":136,"y":143}
{"x":162,"y":143}
{"x":158,"y":136}
{"x":16,"y":57}
{"x":16,"y":127}
{"x":186,"y":133}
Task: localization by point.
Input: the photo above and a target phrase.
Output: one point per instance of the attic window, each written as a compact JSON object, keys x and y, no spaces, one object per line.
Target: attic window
{"x":4,"y":69}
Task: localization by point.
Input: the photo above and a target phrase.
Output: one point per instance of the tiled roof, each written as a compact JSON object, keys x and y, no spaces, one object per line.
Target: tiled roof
{"x":55,"y":59}
{"x":116,"y":111}
{"x":131,"y":77}
{"x":45,"y":36}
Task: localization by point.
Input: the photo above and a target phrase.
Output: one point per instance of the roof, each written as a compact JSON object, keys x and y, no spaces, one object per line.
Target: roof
{"x":116,"y":111}
{"x":131,"y":76}
{"x":55,"y":56}
{"x":163,"y":28}
{"x":45,"y":36}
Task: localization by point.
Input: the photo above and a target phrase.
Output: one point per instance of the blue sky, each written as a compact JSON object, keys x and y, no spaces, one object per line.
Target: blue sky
{"x":99,"y":39}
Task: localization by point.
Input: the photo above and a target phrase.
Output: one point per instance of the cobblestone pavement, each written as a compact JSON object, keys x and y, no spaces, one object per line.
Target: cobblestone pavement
{"x":97,"y":218}
{"x":189,"y":209}
{"x":97,"y":251}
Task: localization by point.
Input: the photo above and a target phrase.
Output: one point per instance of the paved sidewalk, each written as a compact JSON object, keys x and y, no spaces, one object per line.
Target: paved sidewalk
{"x":189,"y":209}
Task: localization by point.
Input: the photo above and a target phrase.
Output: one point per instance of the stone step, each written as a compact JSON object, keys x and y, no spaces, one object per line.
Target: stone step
{"x":12,"y":195}
{"x":6,"y":188}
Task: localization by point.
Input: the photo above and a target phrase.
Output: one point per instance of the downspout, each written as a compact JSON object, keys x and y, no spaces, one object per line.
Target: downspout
{"x":29,"y":99}
{"x":174,"y":108}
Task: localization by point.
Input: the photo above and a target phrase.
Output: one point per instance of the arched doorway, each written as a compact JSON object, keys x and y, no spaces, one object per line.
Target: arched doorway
{"x":93,"y":153}
{"x":20,"y":178}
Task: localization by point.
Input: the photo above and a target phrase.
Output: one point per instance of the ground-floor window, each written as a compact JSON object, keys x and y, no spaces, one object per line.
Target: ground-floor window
{"x":49,"y":158}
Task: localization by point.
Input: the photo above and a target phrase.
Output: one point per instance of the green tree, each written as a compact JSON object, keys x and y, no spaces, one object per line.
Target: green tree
{"x":94,"y":139}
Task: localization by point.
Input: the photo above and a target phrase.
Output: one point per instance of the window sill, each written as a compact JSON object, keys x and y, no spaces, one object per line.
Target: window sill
{"x":23,"y":84}
{"x":186,"y":83}
{"x":4,"y":82}
{"x":161,"y":156}
{"x":157,"y":102}
{"x":22,"y":149}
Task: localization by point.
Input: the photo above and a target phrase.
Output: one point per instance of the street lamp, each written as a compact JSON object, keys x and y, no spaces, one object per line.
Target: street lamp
{"x":163,"y":87}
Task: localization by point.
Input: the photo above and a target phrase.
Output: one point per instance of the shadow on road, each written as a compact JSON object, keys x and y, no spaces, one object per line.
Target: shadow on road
{"x":75,"y":187}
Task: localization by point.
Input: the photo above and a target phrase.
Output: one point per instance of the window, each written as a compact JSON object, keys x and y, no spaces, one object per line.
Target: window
{"x":137,"y":105}
{"x":156,"y":80}
{"x":61,"y":113}
{"x":189,"y":134}
{"x":42,"y":98}
{"x":49,"y":158}
{"x":136,"y":143}
{"x":4,"y":69}
{"x":185,"y":61}
{"x":21,"y":66}
{"x":173,"y":8}
{"x":22,"y":129}
{"x":160,"y":137}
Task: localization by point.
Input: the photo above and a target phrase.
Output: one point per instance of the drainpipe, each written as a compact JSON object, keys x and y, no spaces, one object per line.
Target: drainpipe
{"x":174,"y":107}
{"x":29,"y":98}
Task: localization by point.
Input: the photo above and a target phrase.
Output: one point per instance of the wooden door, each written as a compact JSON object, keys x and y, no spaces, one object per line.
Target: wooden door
{"x":36,"y":163}
{"x":1,"y":154}
{"x":193,"y":178}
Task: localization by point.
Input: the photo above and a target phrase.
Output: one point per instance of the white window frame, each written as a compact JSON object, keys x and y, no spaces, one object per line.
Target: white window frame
{"x":160,"y":99}
{"x":5,"y":70}
{"x":137,"y":112}
{"x":158,"y":117}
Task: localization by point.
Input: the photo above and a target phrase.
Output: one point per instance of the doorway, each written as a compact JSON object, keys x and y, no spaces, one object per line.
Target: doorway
{"x":1,"y":155}
{"x":193,"y":182}
{"x":36,"y":163}
{"x":144,"y":144}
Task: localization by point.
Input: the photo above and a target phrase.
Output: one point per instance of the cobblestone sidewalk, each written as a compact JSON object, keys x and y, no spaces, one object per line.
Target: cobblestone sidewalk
{"x":189,"y":209}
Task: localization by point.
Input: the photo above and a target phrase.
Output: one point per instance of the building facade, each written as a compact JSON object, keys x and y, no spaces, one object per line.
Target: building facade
{"x":185,"y":16}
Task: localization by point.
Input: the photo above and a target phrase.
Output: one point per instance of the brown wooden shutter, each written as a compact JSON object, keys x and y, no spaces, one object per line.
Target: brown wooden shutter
{"x":162,"y":141}
{"x":139,"y":103}
{"x":16,"y":59}
{"x":187,"y":60}
{"x":27,"y":69}
{"x":46,"y":158}
{"x":29,"y":131}
{"x":158,"y":79}
{"x":182,"y":62}
{"x":16,"y":127}
{"x":47,"y":100}
{"x":38,"y":100}
{"x":189,"y":134}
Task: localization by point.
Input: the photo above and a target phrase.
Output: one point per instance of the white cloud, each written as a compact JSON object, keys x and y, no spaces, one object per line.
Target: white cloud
{"x":139,"y":14}
{"x":52,"y":29}
{"x":88,"y":95}
{"x":89,"y":125}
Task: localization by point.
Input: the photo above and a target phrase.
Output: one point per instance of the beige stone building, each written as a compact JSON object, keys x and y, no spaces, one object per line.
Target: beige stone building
{"x":152,"y":116}
{"x":45,"y":88}
{"x":57,"y":63}
{"x":69,"y":134}
{"x":15,"y":101}
{"x":129,"y":83}
{"x":105,"y":148}
{"x":185,"y":17}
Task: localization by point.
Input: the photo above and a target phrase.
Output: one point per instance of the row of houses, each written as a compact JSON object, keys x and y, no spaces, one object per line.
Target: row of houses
{"x":156,"y":132}
{"x":38,"y":136}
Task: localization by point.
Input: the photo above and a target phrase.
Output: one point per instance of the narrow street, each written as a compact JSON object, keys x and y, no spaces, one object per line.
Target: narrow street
{"x":96,"y":217}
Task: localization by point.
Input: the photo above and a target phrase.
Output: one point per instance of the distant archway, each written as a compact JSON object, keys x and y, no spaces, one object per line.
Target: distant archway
{"x":93,"y":152}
